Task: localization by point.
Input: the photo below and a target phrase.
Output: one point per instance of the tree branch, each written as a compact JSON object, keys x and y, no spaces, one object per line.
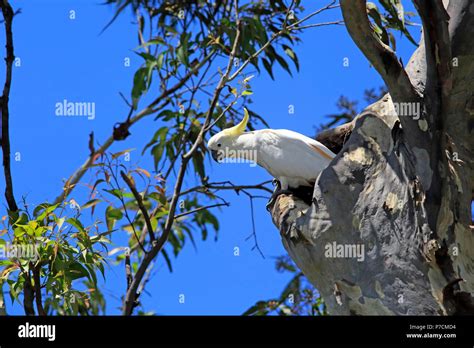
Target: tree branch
{"x":227,"y":185}
{"x":201,"y":208}
{"x":4,"y":99}
{"x":383,"y":59}
{"x":128,"y":269}
{"x":28,"y":295}
{"x":141,"y":206}
{"x":380,"y":55}
{"x":37,"y":288}
{"x":437,"y":44}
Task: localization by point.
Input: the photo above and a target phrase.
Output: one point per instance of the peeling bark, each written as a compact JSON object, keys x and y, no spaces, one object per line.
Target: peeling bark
{"x":404,"y":201}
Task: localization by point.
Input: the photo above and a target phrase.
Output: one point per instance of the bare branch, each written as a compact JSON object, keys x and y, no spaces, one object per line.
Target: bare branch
{"x":329,"y":6}
{"x":4,"y":99}
{"x":315,"y":25}
{"x":254,"y":229}
{"x":227,"y":185}
{"x":177,"y":216}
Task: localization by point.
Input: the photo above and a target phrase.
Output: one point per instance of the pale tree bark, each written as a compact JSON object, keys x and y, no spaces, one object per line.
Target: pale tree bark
{"x":401,"y":185}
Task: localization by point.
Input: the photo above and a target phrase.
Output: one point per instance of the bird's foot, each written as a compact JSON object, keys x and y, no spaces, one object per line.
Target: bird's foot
{"x":277,"y":188}
{"x":275,"y":195}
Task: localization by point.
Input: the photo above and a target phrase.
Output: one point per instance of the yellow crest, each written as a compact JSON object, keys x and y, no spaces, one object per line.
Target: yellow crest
{"x":239,"y":128}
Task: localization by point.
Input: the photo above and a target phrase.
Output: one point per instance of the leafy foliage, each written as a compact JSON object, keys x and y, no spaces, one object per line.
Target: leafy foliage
{"x":394,"y":17}
{"x":58,"y":251}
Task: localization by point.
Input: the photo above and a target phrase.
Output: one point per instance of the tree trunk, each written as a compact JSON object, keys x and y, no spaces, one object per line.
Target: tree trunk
{"x":389,"y":230}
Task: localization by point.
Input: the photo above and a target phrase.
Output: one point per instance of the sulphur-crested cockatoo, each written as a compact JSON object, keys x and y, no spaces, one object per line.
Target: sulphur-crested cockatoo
{"x":293,"y":159}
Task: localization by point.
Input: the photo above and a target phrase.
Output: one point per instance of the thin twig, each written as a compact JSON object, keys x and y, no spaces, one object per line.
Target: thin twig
{"x":141,"y":206}
{"x":329,"y":6}
{"x":124,"y":206}
{"x":177,"y":216}
{"x":254,"y":230}
{"x":315,"y":25}
{"x":227,"y":185}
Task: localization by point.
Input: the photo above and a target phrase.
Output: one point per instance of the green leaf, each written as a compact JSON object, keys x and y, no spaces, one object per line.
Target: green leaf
{"x":182,"y":51}
{"x":157,"y":152}
{"x":76,"y":271}
{"x":47,"y":209}
{"x":268,"y":67}
{"x":19,"y":231}
{"x":139,"y":86}
{"x":114,"y":213}
{"x":198,"y":163}
{"x":91,"y":203}
{"x":283,"y":63}
{"x":76,"y":223}
{"x":120,"y":153}
{"x":111,"y":215}
{"x":159,"y":136}
{"x":115,"y":192}
{"x":159,"y":61}
{"x":290,"y":53}
{"x":167,"y":260}
{"x":155,"y":41}
{"x":260,"y":308}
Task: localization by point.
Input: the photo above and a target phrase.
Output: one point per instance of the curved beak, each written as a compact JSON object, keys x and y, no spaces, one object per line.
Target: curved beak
{"x":215,"y":155}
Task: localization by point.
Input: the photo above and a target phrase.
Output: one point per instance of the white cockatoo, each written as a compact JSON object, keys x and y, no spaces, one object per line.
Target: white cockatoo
{"x":293,"y":159}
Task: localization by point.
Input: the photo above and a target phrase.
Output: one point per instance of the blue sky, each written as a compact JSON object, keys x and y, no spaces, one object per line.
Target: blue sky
{"x":68,"y":59}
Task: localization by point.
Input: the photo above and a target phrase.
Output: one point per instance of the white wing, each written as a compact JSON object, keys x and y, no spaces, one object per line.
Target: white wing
{"x":291,"y":157}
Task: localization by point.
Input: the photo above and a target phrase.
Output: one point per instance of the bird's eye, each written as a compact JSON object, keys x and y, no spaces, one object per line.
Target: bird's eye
{"x":219,"y":145}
